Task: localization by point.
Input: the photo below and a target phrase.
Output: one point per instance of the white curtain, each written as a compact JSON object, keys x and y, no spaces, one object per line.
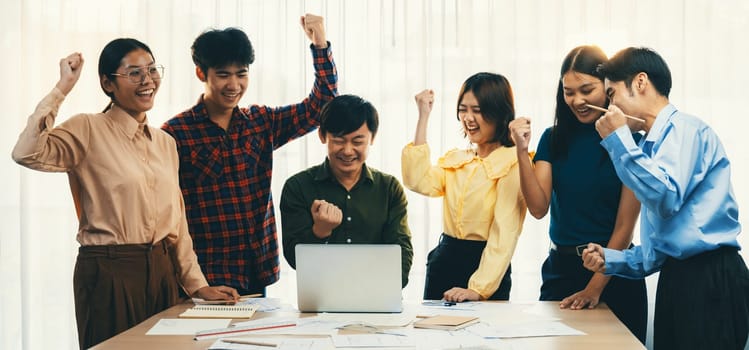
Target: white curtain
{"x":386,"y":51}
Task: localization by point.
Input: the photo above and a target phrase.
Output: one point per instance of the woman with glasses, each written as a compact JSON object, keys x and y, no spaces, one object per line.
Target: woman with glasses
{"x":135,"y":246}
{"x":483,"y":206}
{"x":573,"y":176}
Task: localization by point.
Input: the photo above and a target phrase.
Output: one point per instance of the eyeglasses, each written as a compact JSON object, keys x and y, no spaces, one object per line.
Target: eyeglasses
{"x":138,"y":75}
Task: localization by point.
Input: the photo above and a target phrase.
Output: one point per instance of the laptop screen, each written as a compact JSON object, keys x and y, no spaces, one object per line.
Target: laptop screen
{"x":348,"y":277}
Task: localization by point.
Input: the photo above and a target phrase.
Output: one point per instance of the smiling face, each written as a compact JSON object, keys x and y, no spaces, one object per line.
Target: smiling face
{"x":224,"y":86}
{"x":478,"y":130}
{"x":626,"y":99}
{"x":134,"y":98}
{"x":347,"y":153}
{"x":581,"y":89}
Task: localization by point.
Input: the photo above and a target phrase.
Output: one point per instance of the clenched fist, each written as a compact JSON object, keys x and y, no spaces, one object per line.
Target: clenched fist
{"x":70,"y":71}
{"x":315,"y":29}
{"x":594,"y":258}
{"x":326,"y":217}
{"x":424,"y":101}
{"x":520,"y":132}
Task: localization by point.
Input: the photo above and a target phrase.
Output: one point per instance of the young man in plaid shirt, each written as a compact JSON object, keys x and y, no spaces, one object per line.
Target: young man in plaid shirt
{"x":226,"y":156}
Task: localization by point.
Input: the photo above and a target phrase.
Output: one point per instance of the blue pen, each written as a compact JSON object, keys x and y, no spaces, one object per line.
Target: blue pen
{"x":439,"y":303}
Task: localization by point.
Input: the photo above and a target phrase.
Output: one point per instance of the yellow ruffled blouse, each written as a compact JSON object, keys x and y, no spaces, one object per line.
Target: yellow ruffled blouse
{"x":482,"y":201}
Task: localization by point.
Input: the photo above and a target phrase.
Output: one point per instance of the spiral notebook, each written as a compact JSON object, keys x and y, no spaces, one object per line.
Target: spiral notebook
{"x":220,"y":311}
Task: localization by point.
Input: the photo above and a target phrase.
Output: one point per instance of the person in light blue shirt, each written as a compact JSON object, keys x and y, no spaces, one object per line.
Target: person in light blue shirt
{"x":689,"y":216}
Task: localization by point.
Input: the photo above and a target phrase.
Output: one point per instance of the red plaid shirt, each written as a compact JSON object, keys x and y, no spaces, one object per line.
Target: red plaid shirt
{"x":225,"y":177}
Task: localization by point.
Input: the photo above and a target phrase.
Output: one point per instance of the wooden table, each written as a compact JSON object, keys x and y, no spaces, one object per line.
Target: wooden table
{"x":603,"y":329}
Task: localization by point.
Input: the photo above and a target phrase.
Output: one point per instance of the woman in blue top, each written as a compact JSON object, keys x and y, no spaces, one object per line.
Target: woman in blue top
{"x":574,"y":176}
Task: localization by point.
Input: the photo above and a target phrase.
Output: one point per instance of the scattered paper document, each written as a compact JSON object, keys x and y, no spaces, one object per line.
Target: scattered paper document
{"x":493,"y":313}
{"x":372,"y":341}
{"x":524,"y":330}
{"x":289,"y":343}
{"x":312,"y":326}
{"x":248,"y":327}
{"x":178,"y":326}
{"x":460,"y":339}
{"x":379,"y":320}
{"x":263,"y":304}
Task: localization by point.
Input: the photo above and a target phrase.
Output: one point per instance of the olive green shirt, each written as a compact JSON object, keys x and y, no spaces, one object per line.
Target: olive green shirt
{"x":374,"y":211}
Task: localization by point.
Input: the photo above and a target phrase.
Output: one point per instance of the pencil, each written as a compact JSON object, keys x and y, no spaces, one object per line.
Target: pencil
{"x":249,"y":342}
{"x":601,"y":109}
{"x":258,"y":295}
{"x":229,"y":302}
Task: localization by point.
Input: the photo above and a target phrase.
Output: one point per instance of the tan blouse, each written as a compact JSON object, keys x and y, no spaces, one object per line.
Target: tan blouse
{"x":123,"y":177}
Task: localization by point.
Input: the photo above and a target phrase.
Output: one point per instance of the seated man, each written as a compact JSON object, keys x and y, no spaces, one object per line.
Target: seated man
{"x":342,"y":200}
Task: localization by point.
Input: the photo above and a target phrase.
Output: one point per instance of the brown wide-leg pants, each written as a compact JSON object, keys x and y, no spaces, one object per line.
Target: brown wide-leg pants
{"x":119,"y":286}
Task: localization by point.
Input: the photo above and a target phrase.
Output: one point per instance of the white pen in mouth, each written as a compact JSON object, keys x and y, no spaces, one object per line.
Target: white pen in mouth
{"x":606,"y":110}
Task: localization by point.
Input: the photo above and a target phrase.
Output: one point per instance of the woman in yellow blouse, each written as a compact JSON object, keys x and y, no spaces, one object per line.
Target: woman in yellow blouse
{"x":123,"y":177}
{"x":483,"y":206}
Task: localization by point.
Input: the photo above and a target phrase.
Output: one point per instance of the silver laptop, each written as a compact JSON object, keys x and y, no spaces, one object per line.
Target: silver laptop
{"x":348,"y":277}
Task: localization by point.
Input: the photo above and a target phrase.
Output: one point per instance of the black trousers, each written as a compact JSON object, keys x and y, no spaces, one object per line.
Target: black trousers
{"x":118,"y":286}
{"x":703,"y":302}
{"x":564,"y":275}
{"x":452,"y":263}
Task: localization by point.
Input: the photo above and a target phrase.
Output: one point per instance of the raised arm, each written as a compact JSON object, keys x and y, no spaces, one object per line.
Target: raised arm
{"x":424,"y":101}
{"x":662,"y":181}
{"x":419,"y":174}
{"x":314,"y":27}
{"x":42,"y":147}
{"x":70,"y":72}
{"x":295,"y":120}
{"x":535,"y":181}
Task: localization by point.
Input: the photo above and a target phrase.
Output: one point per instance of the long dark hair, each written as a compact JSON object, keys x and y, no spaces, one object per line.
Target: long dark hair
{"x":582,"y":59}
{"x":111,"y":58}
{"x":494,"y":95}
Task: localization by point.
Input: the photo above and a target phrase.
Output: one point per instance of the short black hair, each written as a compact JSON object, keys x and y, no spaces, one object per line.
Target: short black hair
{"x":345,"y":114}
{"x":217,"y":48}
{"x":633,"y":60}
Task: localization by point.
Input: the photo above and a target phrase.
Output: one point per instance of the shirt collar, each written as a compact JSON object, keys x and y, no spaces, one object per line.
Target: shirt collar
{"x":661,"y":120}
{"x":324,"y":173}
{"x":497,"y":164}
{"x":200,"y":112}
{"x":126,"y":123}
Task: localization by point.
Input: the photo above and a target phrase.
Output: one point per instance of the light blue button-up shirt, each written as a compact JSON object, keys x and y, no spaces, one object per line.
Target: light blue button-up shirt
{"x":684,"y":184}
